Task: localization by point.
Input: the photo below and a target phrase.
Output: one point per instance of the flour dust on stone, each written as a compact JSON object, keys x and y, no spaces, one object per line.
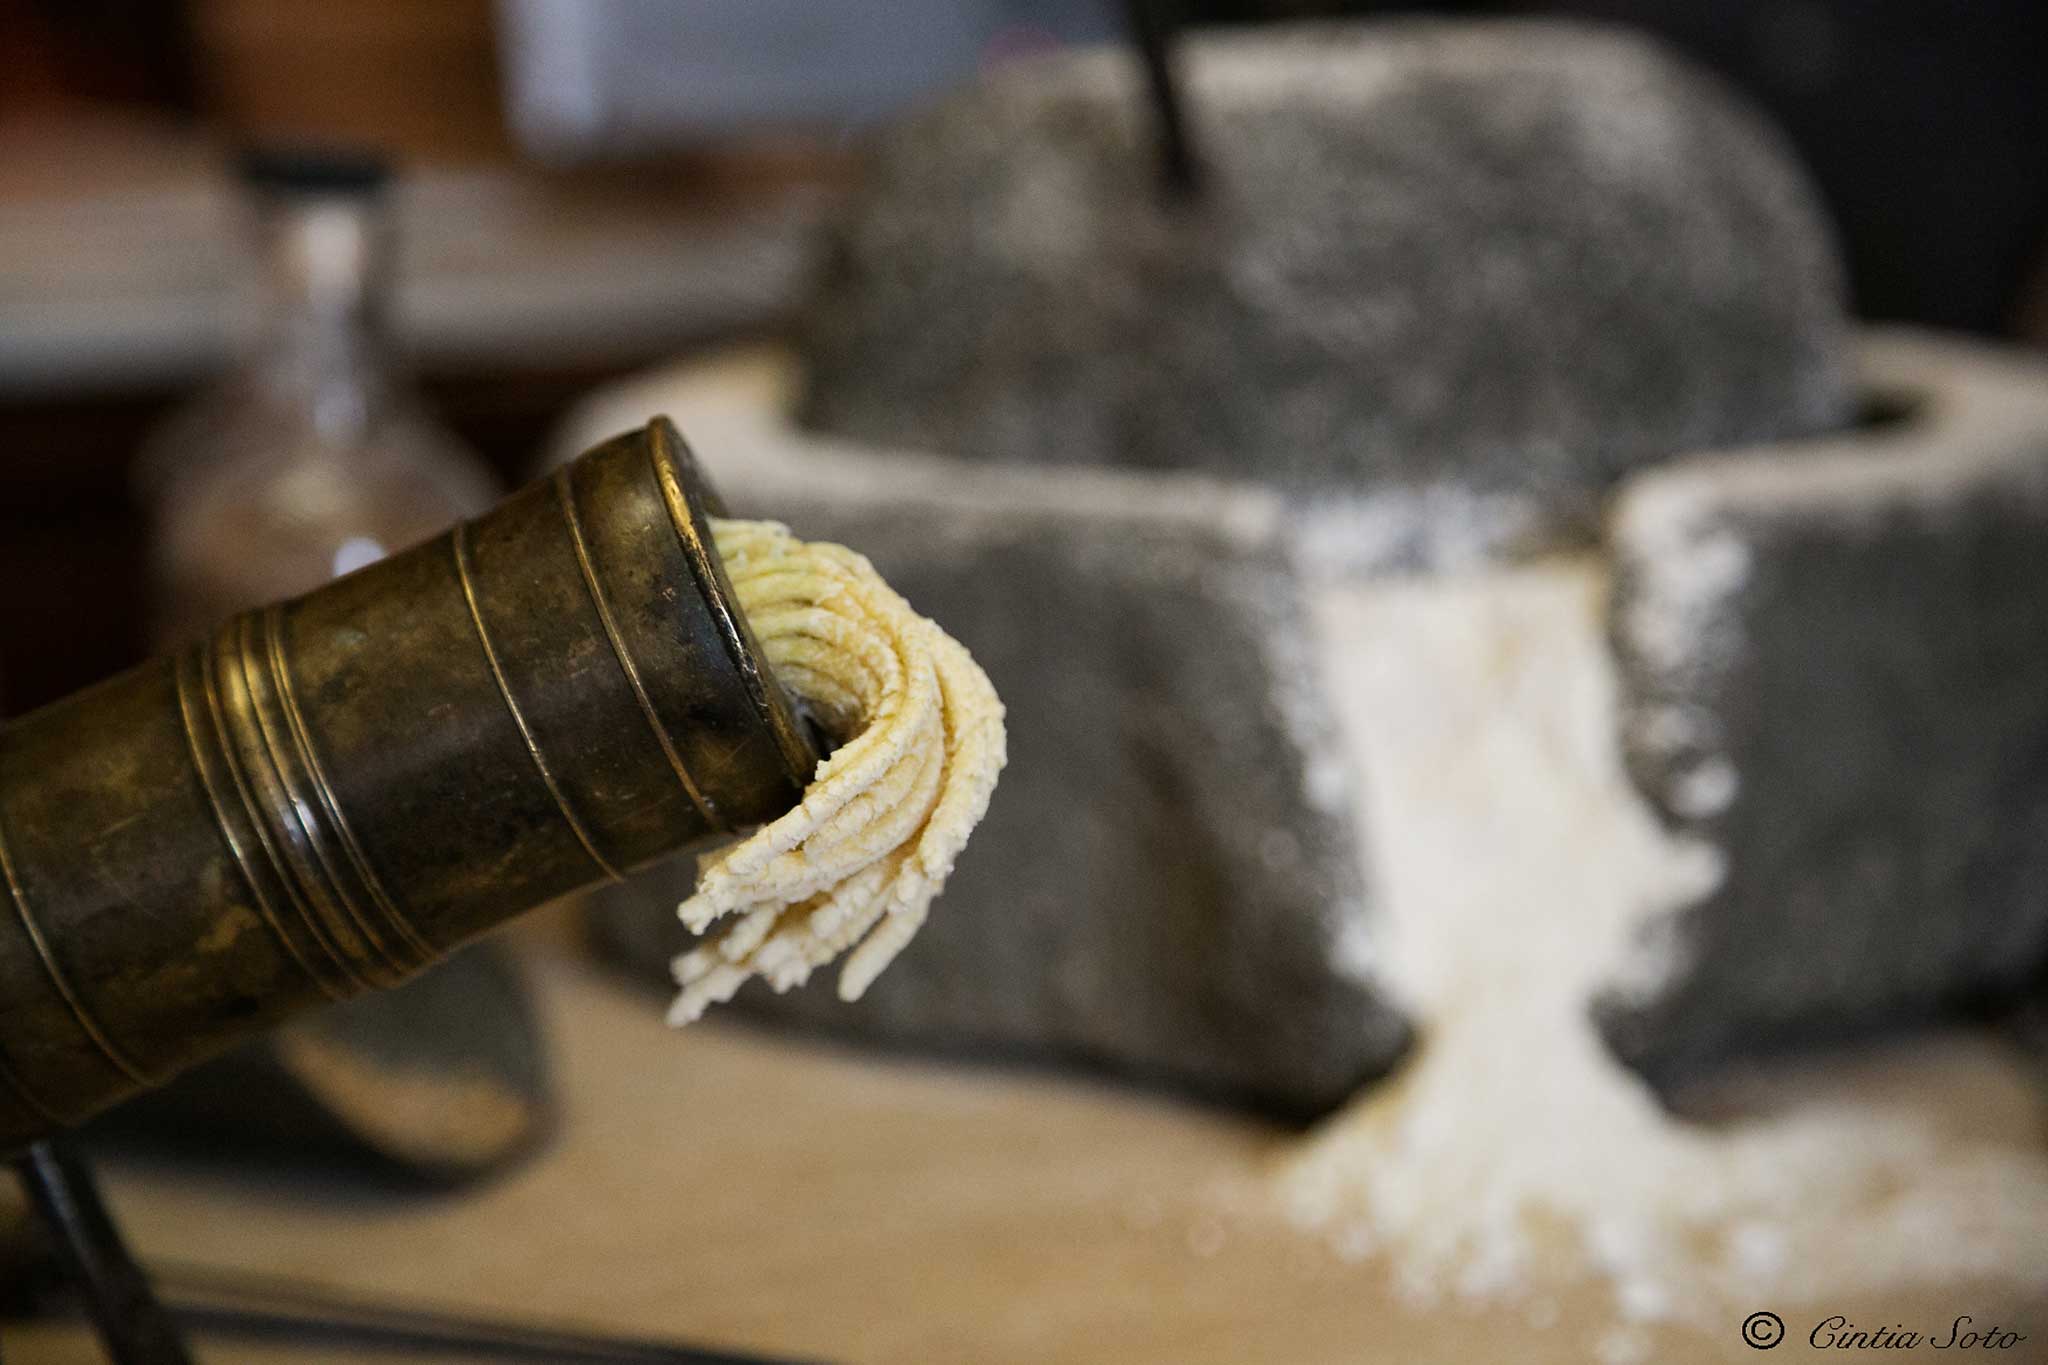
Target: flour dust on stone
{"x":1513,"y":1155}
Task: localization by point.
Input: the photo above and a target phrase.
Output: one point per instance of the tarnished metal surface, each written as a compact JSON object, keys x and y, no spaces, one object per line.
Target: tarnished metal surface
{"x":333,"y":791}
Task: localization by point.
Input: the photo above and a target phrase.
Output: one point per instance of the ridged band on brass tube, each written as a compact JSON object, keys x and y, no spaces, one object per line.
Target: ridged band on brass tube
{"x":332,"y":792}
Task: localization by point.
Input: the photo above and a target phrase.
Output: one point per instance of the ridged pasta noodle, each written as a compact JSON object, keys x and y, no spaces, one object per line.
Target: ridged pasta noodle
{"x":857,"y":864}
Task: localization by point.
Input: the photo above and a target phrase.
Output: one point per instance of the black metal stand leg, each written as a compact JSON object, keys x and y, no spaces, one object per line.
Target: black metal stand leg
{"x":132,"y":1325}
{"x":136,"y":1328}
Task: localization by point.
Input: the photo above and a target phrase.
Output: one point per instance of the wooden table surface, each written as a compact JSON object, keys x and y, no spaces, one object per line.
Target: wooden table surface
{"x":727,"y":1186}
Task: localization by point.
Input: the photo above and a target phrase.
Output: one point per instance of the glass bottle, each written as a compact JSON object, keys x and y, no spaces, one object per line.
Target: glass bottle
{"x":312,"y":457}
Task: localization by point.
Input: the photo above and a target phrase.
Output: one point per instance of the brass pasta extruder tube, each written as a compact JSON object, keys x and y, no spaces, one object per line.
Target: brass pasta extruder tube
{"x":332,"y":792}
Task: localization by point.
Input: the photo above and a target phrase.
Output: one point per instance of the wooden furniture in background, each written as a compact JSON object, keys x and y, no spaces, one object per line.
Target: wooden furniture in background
{"x":414,"y":78}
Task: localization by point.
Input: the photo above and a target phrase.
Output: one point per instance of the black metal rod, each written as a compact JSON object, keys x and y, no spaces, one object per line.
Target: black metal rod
{"x":132,"y":1324}
{"x":483,"y":1343}
{"x":139,"y":1327}
{"x":216,"y":1303}
{"x":1153,"y":24}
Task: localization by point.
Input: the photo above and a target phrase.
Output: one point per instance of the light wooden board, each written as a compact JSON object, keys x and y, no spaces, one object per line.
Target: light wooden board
{"x":726,"y":1186}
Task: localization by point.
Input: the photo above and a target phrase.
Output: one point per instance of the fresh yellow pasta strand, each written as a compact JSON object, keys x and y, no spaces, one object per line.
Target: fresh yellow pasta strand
{"x":856,"y":864}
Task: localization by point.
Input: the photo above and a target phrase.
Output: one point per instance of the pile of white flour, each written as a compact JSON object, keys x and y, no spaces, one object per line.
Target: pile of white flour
{"x":1512,"y":1153}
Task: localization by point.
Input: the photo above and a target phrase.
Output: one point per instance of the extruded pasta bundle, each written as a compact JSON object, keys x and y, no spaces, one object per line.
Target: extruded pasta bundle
{"x":857,"y":864}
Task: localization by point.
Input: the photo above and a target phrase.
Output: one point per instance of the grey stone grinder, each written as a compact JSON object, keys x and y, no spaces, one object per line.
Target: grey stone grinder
{"x":1457,"y":292}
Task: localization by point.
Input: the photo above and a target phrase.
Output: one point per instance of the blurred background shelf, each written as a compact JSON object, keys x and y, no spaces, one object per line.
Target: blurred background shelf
{"x":518,"y":292}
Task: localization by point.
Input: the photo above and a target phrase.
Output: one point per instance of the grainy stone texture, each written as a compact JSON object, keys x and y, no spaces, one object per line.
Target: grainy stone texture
{"x":1516,"y":257}
{"x":1167,"y":884}
{"x":1835,"y":666}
